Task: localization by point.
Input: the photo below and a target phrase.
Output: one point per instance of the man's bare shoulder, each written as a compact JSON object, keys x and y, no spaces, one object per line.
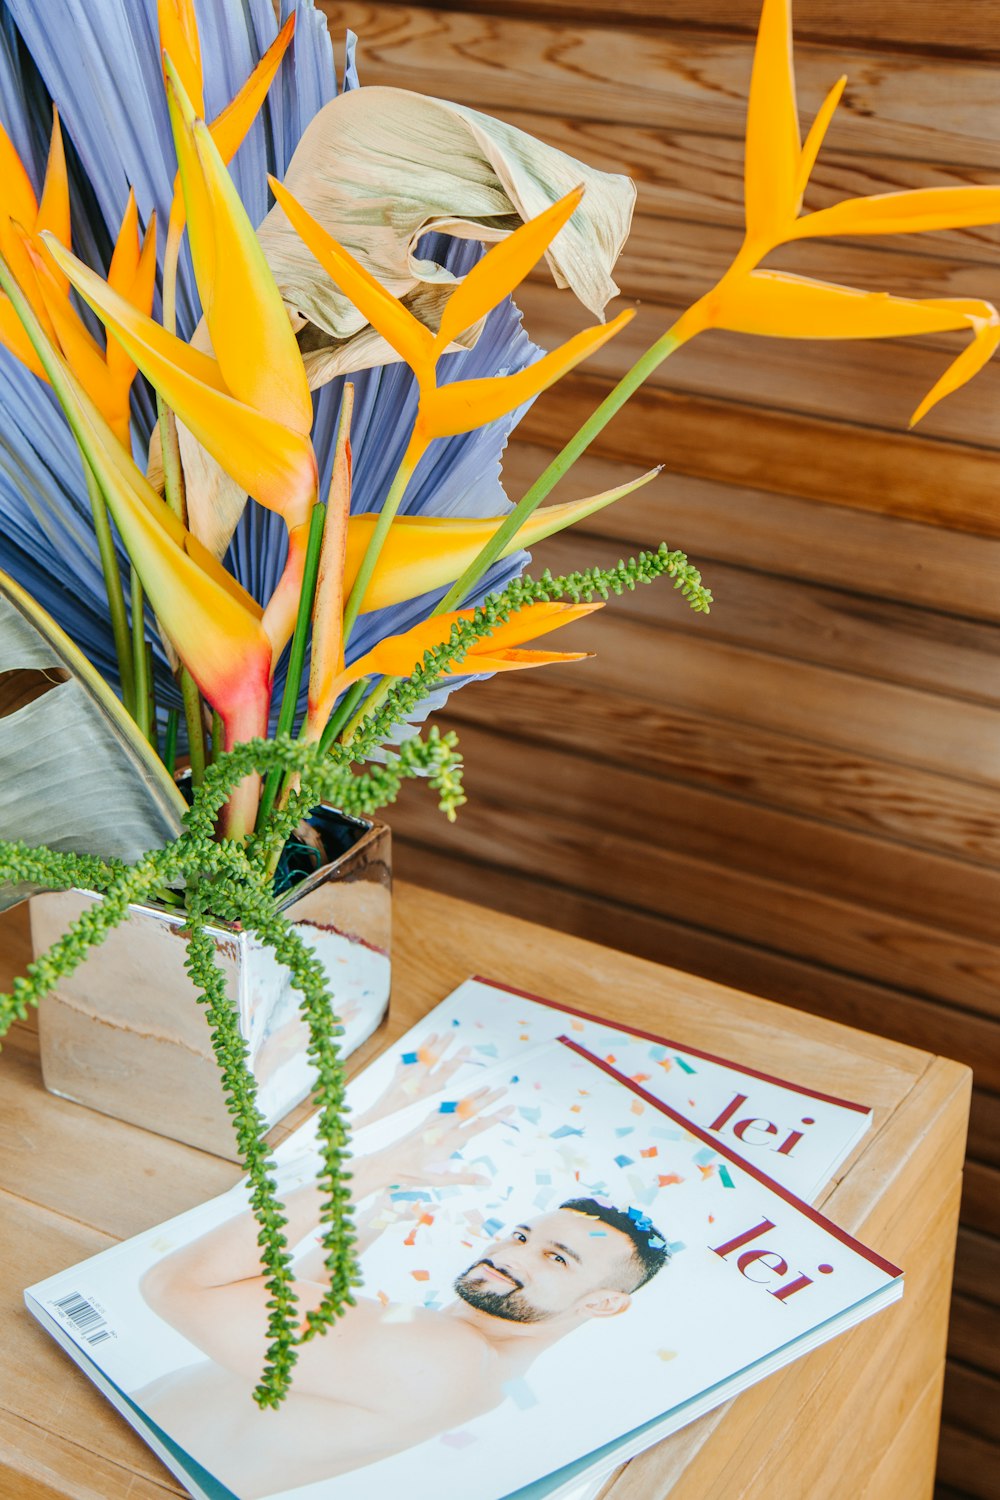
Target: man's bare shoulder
{"x":442,"y":1365}
{"x":398,"y":1358}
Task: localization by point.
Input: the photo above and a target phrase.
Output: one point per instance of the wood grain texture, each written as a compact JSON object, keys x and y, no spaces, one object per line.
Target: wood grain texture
{"x":935,"y":25}
{"x":920,"y":108}
{"x":892,"y":473}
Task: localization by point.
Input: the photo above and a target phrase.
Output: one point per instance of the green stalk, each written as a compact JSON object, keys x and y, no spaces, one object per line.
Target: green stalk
{"x":345,"y":708}
{"x":560,"y":465}
{"x":170,"y":744}
{"x":151,"y":697}
{"x":216,"y":735}
{"x":529,"y":503}
{"x":139,"y":656}
{"x":374,"y":701}
{"x":296,"y":654}
{"x":113,"y":587}
{"x":387,"y":515}
{"x":173,"y":493}
{"x":191,"y":699}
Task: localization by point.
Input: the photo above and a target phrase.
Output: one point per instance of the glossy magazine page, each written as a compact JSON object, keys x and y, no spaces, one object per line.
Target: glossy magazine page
{"x":798,"y":1136}
{"x":552,"y":1260}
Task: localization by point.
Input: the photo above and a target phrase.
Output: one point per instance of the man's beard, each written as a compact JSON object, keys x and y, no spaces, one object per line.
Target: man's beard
{"x":512,"y":1305}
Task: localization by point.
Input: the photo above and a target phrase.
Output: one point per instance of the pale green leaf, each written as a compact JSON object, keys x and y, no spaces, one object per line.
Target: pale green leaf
{"x":75,"y":773}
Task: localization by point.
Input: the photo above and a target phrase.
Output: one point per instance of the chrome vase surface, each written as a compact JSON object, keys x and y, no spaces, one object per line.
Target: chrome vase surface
{"x":125,"y":1033}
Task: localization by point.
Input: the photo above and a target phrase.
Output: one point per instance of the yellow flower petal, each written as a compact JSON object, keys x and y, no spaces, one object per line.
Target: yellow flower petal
{"x":397,"y":325}
{"x":814,"y":140}
{"x":969,"y":363}
{"x":425,"y":552}
{"x":780,"y":305}
{"x":509,"y":661}
{"x":250,"y":329}
{"x":215,"y":634}
{"x":914,"y":212}
{"x":398,"y":655}
{"x":230,"y":126}
{"x":81,"y":351}
{"x":465,"y":404}
{"x":274,"y":465}
{"x":502,"y":268}
{"x":125,"y":257}
{"x":17,"y":196}
{"x":136,"y":282}
{"x":179,"y":40}
{"x":14,"y":338}
{"x":53,"y":207}
{"x":771,"y":167}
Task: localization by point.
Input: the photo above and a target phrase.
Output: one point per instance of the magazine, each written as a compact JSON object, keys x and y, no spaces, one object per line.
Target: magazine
{"x":796,"y":1135}
{"x":558,"y":1270}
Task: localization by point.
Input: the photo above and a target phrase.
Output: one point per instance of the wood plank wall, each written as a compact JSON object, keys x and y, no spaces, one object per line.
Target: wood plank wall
{"x":799,"y":795}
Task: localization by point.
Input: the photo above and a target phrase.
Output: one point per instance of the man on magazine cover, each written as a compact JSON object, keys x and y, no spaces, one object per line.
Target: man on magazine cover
{"x":385,"y":1377}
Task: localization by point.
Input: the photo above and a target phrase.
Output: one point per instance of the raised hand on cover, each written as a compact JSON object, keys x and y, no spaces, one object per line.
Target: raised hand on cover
{"x":423,"y":1071}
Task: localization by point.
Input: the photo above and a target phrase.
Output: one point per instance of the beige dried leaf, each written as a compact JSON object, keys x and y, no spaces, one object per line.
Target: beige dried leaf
{"x":381,"y":167}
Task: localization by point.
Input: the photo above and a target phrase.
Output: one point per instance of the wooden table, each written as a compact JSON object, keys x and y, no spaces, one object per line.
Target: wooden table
{"x":857,"y":1418}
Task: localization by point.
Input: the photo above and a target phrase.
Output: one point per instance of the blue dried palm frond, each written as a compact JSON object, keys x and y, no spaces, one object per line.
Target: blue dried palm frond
{"x":100,"y":62}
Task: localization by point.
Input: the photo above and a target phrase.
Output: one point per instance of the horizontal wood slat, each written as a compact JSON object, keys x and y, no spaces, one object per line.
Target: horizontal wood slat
{"x":892,"y":473}
{"x":937,"y":25}
{"x":858,"y":714}
{"x":842,"y":547}
{"x":768,"y":764}
{"x":972,"y":1401}
{"x":968,"y":1463}
{"x":975,"y":1334}
{"x":868,"y":383}
{"x":833,"y":628}
{"x":921,"y":108}
{"x":774,"y":845}
{"x":719,"y":956}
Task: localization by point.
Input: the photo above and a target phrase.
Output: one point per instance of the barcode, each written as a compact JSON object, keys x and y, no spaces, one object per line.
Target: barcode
{"x":84,"y":1317}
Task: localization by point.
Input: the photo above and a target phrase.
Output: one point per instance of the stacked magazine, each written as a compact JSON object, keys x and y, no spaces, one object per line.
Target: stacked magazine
{"x":575,"y":1238}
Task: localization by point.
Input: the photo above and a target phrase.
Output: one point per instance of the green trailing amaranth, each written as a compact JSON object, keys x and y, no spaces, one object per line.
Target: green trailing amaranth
{"x":230,"y":881}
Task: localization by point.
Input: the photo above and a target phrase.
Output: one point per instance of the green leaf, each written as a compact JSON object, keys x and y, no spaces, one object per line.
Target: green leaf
{"x":75,"y":773}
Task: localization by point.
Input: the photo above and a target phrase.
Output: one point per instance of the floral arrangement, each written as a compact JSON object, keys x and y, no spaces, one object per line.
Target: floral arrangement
{"x":279,"y":550}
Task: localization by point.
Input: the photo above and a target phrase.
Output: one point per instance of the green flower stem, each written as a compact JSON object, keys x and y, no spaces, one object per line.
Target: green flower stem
{"x":371,"y":704}
{"x":113,"y":587}
{"x":142,"y":717}
{"x":170,"y":744}
{"x":560,"y":465}
{"x":218,"y":734}
{"x":174,"y":495}
{"x":414,"y":452}
{"x":297,"y":653}
{"x":151,"y":698}
{"x":191,"y":698}
{"x":343,"y":711}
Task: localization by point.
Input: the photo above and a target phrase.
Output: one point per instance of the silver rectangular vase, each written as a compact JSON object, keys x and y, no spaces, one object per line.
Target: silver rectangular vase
{"x":126,"y":1035}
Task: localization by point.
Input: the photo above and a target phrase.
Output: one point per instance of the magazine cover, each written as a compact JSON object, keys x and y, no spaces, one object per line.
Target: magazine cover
{"x":796,"y":1135}
{"x":558,"y":1270}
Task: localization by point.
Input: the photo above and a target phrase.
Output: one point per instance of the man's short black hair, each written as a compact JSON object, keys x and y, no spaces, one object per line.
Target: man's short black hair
{"x":649,"y":1246}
